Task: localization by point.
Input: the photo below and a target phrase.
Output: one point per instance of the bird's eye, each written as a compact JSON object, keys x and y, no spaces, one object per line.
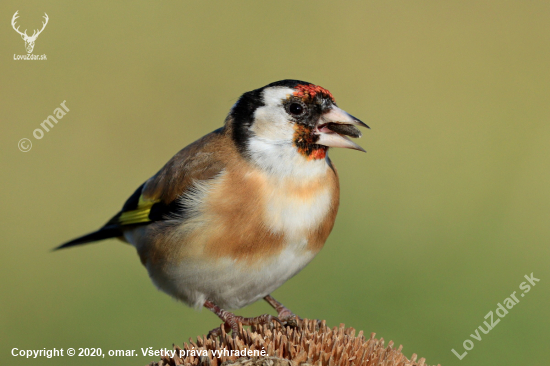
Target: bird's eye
{"x":296,"y":109}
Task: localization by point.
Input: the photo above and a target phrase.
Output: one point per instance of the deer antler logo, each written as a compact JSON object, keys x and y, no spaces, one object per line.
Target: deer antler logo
{"x":29,"y":41}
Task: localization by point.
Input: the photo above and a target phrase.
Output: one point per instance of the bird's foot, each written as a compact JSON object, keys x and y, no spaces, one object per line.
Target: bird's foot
{"x":217,"y":332}
{"x":284,"y":314}
{"x":288,"y":318}
{"x":232,"y":321}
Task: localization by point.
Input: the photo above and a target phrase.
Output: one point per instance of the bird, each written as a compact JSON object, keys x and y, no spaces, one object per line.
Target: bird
{"x":235,"y":214}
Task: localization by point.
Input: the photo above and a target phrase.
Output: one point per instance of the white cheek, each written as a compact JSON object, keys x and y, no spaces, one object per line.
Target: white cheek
{"x":282,"y":159}
{"x":272,"y":123}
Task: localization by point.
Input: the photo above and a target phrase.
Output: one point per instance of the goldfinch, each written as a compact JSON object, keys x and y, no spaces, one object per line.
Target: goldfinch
{"x":235,"y":214}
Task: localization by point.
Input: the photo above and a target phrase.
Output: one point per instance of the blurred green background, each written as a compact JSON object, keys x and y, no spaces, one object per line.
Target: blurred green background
{"x":438,"y":222}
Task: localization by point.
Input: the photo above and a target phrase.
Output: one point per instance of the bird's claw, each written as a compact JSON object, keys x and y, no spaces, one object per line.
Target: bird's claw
{"x":214,"y":333}
{"x":288,"y":318}
{"x":292,"y":321}
{"x":217,"y":332}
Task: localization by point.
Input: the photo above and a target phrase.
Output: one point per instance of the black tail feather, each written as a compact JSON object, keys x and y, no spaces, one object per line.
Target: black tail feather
{"x":105,"y":232}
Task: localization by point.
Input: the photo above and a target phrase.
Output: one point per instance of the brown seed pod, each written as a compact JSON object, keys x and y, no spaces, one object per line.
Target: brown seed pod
{"x":343,"y":129}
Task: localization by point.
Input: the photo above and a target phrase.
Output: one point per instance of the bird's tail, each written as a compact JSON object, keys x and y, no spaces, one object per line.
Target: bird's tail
{"x":105,"y":232}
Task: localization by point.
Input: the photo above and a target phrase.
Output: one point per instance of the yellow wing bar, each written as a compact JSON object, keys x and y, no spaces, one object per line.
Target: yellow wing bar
{"x":140,"y":214}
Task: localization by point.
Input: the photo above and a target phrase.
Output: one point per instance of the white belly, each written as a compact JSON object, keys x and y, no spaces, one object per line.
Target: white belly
{"x":226,"y":282}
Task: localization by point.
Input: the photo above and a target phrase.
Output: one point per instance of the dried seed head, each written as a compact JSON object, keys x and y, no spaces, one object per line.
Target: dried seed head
{"x":311,"y":343}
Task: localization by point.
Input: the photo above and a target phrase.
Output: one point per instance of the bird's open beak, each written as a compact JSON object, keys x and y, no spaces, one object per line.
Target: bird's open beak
{"x":335,"y":126}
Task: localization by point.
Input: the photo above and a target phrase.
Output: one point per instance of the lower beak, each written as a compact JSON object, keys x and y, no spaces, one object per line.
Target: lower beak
{"x":335,"y":126}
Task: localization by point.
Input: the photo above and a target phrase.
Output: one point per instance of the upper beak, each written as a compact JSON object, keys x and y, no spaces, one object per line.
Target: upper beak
{"x":334,"y":125}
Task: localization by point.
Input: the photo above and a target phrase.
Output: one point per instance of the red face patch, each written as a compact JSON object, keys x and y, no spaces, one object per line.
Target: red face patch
{"x":306,"y":91}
